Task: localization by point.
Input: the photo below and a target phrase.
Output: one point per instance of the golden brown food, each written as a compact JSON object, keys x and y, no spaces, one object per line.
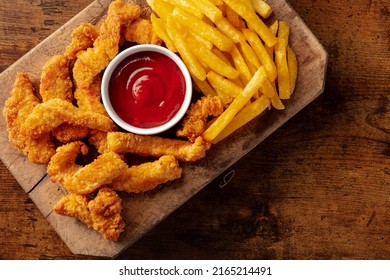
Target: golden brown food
{"x":16,"y":110}
{"x":194,"y":124}
{"x":147,"y":176}
{"x":51,"y":114}
{"x":83,"y":179}
{"x":140,"y":31}
{"x":103,"y":213}
{"x":82,"y":38}
{"x":156,"y":146}
{"x":55,"y":79}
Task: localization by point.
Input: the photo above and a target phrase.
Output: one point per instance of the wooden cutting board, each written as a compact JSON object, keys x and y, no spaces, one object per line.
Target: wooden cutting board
{"x":141,"y":212}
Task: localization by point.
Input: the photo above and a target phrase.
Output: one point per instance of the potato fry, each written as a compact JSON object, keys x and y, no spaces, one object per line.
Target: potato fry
{"x":238,"y":103}
{"x":292,"y":68}
{"x":161,"y":8}
{"x":262,"y":53}
{"x":211,"y":60}
{"x":241,"y":66}
{"x":194,"y":66}
{"x":159,"y":27}
{"x":284,"y":31}
{"x":204,"y":87}
{"x":262,"y":8}
{"x":208,"y":9}
{"x":281,"y":65}
{"x":232,"y":16}
{"x":203,"y":29}
{"x":243,"y":117}
{"x":186,"y":5}
{"x":229,"y":30}
{"x":249,"y":54}
{"x":224,"y":85}
{"x":253,"y":20}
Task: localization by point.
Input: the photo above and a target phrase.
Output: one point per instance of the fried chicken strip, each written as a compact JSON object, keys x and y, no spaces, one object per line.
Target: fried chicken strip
{"x":156,"y":146}
{"x":101,"y":213}
{"x":83,"y":179}
{"x":16,"y":110}
{"x":82,"y":38}
{"x":49,"y":115}
{"x":140,"y":31}
{"x":147,"y":176}
{"x":56,"y":83}
{"x":94,"y":60}
{"x":55,"y":79}
{"x":194,"y":124}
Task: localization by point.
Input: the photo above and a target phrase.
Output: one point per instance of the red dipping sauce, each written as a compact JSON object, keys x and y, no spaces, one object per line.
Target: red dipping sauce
{"x":147,"y":89}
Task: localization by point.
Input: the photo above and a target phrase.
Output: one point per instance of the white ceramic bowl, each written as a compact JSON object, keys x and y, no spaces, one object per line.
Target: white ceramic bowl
{"x":106,"y":94}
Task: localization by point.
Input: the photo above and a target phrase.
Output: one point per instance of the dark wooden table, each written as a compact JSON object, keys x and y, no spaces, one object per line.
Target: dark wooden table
{"x":318,"y":188}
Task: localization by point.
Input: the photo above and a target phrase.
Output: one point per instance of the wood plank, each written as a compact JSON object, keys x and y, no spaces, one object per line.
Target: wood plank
{"x":143,"y":212}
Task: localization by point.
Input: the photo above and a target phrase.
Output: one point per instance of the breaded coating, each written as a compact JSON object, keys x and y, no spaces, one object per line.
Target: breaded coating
{"x":103,"y":213}
{"x":89,"y":98}
{"x":95,"y":59}
{"x":16,"y":110}
{"x":75,"y":205}
{"x":194,"y":123}
{"x":147,"y":176}
{"x":140,"y":31}
{"x":55,"y":79}
{"x":98,"y":139}
{"x":51,"y":114}
{"x":83,"y":179}
{"x":66,"y":133}
{"x":156,"y":146}
{"x":82,"y":38}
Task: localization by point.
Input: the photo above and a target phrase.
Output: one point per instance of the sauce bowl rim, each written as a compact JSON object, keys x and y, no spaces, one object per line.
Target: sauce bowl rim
{"x":106,"y":96}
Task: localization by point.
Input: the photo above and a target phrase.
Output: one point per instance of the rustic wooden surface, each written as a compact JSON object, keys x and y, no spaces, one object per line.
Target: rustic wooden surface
{"x":315,"y":189}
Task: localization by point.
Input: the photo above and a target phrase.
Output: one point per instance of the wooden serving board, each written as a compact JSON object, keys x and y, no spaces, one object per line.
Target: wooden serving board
{"x":141,"y":212}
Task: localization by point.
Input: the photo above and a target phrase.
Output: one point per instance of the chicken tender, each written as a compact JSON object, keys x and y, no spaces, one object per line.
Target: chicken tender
{"x":140,"y":31}
{"x":147,"y":176}
{"x":194,"y":124}
{"x":16,"y":110}
{"x":55,"y":79}
{"x":103,"y":213}
{"x":82,"y":38}
{"x":51,"y":114}
{"x":83,"y":179}
{"x":156,"y":146}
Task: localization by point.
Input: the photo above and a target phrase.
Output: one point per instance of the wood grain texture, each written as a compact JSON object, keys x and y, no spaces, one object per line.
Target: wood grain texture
{"x":317,"y":188}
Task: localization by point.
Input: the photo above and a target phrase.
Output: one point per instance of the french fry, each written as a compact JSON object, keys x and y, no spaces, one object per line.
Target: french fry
{"x":211,"y":60}
{"x":208,"y":9}
{"x":186,"y":5}
{"x":253,"y":20}
{"x":262,"y":8}
{"x":194,"y":67}
{"x":161,"y":8}
{"x":281,"y":61}
{"x":223,"y":85}
{"x":229,"y":30}
{"x":261,"y":53}
{"x":232,"y":16}
{"x":241,"y":66}
{"x":277,"y":103}
{"x":159,"y":27}
{"x":203,"y":29}
{"x":238,"y":103}
{"x":249,"y":54}
{"x":201,"y":40}
{"x":204,"y":87}
{"x":292,"y":68}
{"x":247,"y":114}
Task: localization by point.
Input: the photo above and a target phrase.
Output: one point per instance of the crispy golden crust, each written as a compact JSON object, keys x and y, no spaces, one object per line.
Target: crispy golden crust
{"x":83,"y":179}
{"x":194,"y":124}
{"x":82,"y":38}
{"x":55,"y":79}
{"x":140,"y":31}
{"x":16,"y":110}
{"x":103,"y":213}
{"x":182,"y":150}
{"x":51,"y":114}
{"x":147,"y":176}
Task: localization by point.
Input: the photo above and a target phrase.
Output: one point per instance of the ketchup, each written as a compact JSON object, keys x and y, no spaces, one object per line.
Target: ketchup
{"x":147,"y":89}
